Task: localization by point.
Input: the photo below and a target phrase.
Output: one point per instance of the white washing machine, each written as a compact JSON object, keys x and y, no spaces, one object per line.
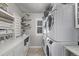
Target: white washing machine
{"x":47,"y":42}
{"x":48,"y":46}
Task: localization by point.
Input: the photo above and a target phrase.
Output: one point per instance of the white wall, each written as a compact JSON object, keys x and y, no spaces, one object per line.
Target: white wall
{"x":36,"y":39}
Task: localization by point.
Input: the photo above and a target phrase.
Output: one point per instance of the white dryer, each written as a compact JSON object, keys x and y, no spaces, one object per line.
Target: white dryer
{"x":47,"y":48}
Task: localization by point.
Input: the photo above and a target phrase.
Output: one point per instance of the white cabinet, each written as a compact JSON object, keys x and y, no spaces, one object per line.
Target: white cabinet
{"x":16,"y":51}
{"x":15,"y":47}
{"x":19,"y":49}
{"x":9,"y":53}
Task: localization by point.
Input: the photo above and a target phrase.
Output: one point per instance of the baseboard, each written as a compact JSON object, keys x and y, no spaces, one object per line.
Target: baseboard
{"x":35,"y":46}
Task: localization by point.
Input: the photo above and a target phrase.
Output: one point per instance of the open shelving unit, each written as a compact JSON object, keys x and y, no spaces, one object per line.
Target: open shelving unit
{"x":6,"y":25}
{"x":25,"y":23}
{"x":5,"y":17}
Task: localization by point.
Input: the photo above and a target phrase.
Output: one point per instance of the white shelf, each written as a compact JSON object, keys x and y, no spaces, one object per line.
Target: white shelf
{"x":6,"y":15}
{"x":6,"y":20}
{"x":4,"y":34}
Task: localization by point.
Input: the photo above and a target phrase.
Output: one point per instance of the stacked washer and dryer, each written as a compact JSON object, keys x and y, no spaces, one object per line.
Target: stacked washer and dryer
{"x":58,"y":29}
{"x":46,"y":40}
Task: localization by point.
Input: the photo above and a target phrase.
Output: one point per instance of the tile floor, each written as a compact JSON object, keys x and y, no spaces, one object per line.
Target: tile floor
{"x":35,"y":52}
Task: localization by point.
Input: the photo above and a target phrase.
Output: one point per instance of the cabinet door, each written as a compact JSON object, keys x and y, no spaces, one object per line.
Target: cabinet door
{"x":9,"y":53}
{"x":19,"y":49}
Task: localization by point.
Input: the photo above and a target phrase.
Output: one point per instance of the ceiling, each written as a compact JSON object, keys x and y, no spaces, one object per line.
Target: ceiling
{"x":32,"y":7}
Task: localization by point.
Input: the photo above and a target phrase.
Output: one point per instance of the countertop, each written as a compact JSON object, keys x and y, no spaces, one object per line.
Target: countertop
{"x":73,"y":49}
{"x":9,"y":44}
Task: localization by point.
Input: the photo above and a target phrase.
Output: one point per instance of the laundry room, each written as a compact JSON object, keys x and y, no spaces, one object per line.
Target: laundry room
{"x":39,"y":29}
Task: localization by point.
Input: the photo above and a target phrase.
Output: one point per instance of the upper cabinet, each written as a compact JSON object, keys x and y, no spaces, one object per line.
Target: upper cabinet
{"x":77,"y":15}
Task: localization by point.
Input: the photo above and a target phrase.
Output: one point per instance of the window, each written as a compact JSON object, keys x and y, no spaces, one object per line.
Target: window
{"x":39,"y":29}
{"x":39,"y":23}
{"x":39,"y":26}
